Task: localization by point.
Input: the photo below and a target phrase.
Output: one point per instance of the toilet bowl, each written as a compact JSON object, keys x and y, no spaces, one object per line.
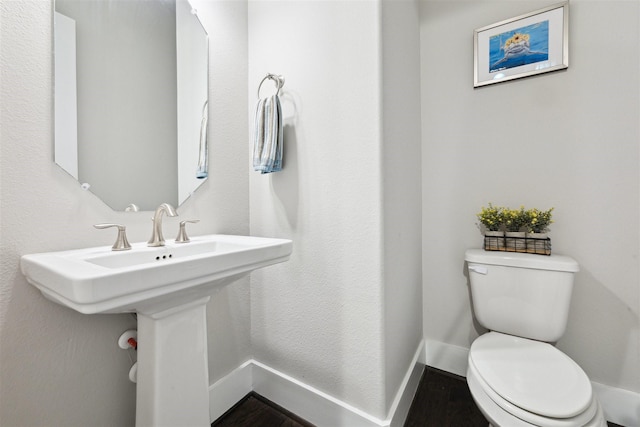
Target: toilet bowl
{"x":518,"y":382}
{"x":516,"y":377}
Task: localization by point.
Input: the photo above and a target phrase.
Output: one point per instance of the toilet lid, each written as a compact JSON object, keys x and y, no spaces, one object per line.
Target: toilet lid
{"x":532,"y":375}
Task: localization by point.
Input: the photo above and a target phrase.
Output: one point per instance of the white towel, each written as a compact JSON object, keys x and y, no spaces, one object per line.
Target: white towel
{"x":267,"y":138}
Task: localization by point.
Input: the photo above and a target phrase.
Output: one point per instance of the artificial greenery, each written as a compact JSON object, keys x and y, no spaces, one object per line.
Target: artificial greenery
{"x":515,"y":219}
{"x":491,"y":217}
{"x":539,"y":221}
{"x":498,"y":218}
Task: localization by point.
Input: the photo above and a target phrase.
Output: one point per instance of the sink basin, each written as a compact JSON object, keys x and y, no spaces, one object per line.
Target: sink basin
{"x":168,"y":287}
{"x":99,"y":280}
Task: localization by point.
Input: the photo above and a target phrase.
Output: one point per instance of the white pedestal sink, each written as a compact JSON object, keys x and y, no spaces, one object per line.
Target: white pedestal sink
{"x":169,"y":288}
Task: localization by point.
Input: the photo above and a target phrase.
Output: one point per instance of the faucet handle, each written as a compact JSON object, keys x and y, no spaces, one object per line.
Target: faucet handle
{"x":182,"y":233}
{"x":121,"y":244}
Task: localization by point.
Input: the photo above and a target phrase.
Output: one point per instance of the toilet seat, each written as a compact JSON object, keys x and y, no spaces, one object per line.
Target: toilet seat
{"x":530,"y":381}
{"x":498,"y":416}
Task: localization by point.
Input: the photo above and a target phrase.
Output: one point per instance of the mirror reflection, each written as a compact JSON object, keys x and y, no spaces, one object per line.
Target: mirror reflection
{"x":131,"y":102}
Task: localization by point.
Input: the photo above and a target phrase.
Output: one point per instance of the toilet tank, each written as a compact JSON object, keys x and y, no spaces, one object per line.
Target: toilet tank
{"x":521,"y":294}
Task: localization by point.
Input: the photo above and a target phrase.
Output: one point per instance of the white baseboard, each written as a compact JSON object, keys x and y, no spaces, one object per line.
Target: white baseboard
{"x":229,"y":390}
{"x":620,"y":406}
{"x":407,"y":392}
{"x":447,"y":357}
{"x":313,"y":405}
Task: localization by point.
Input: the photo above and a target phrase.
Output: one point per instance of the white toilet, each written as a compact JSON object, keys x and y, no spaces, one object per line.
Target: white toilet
{"x":515,"y":376}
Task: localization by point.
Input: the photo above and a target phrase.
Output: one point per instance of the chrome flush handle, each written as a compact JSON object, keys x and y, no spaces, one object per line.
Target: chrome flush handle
{"x":121,"y":244}
{"x":479,"y":269}
{"x":182,"y":233}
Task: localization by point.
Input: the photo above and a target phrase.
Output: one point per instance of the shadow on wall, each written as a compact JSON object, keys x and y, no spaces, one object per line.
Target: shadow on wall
{"x":285,"y":184}
{"x":477,"y":327}
{"x":592,"y":300}
{"x":453,"y":357}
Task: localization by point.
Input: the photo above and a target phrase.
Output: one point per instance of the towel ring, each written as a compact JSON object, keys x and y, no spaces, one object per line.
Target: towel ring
{"x":279,"y":81}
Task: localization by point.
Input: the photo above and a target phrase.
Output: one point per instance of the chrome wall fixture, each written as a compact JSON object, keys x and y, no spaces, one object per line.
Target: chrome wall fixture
{"x":278,"y":80}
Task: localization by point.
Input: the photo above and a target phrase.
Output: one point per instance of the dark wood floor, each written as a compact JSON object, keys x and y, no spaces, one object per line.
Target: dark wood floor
{"x":256,"y":411}
{"x":442,"y":400}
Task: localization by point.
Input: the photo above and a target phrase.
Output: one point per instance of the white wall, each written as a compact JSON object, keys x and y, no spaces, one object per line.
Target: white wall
{"x":318,"y":317}
{"x":567,"y":140}
{"x":401,"y":188}
{"x":59,"y":367}
{"x":334,"y":316}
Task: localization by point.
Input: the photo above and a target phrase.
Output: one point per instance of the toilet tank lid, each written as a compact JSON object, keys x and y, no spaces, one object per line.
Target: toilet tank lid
{"x":516,"y":259}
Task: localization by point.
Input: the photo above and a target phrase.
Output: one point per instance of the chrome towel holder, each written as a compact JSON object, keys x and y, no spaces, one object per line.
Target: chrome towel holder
{"x":278,"y":80}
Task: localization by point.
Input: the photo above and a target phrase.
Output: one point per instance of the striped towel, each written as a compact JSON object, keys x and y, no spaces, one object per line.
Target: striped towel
{"x":267,"y":138}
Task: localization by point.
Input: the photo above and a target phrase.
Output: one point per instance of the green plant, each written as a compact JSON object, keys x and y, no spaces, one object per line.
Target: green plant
{"x":491,"y":217}
{"x":539,"y":221}
{"x":515,"y":219}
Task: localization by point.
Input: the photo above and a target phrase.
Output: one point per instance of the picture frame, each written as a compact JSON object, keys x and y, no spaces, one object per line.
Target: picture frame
{"x":527,"y":45}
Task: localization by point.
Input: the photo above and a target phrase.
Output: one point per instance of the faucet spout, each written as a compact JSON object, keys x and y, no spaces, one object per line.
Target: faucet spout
{"x":157,"y":239}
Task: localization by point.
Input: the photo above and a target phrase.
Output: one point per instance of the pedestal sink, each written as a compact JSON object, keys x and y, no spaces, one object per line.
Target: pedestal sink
{"x":168,"y":287}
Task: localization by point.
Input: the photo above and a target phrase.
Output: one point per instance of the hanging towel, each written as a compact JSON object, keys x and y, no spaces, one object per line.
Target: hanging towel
{"x":267,"y":144}
{"x":203,"y":151}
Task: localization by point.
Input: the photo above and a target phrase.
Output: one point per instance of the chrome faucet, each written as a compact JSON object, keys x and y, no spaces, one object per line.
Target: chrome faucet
{"x":157,"y":239}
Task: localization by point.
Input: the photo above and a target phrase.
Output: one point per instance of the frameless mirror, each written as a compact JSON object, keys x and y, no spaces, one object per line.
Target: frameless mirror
{"x":131,"y":106}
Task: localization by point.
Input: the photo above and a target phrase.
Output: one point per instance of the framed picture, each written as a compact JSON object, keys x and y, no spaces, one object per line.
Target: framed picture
{"x":534,"y":43}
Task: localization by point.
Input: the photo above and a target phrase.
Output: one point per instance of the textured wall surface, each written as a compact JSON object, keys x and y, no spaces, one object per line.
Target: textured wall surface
{"x":60,"y":367}
{"x":318,"y":316}
{"x":343,"y":315}
{"x":568,"y":140}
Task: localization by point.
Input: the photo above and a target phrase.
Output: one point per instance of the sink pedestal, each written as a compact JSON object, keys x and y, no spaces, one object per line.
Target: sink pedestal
{"x":173,"y":367}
